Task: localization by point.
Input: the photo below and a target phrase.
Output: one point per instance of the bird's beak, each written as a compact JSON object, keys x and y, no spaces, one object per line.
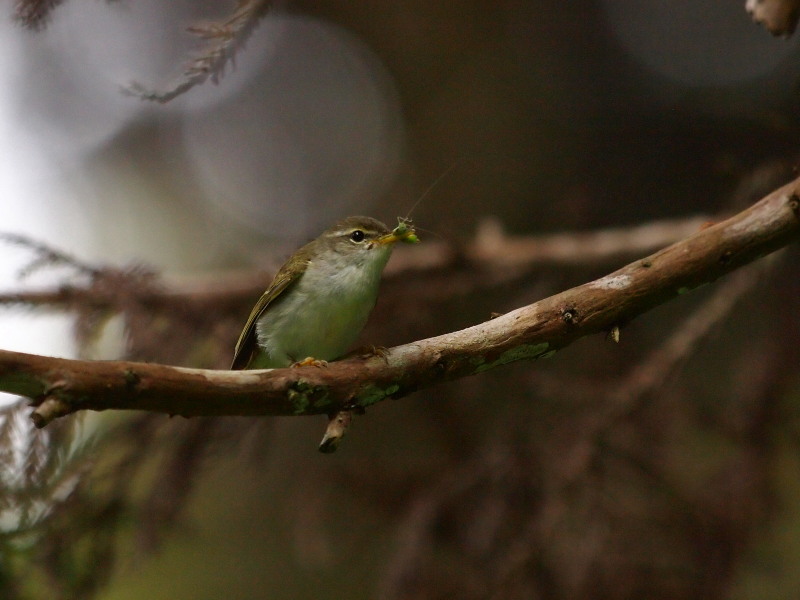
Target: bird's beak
{"x":389,"y":238}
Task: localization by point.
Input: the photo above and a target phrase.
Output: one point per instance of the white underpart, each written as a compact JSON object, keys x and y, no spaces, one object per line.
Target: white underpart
{"x":324,"y":312}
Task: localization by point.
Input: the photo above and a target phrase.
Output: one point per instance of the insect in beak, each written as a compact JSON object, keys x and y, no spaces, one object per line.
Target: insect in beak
{"x":404,"y":232}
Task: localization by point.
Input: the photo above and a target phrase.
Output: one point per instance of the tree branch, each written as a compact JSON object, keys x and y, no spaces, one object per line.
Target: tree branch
{"x":60,"y":386}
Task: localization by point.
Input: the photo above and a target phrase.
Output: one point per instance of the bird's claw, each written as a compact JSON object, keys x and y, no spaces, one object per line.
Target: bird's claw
{"x":310,"y":361}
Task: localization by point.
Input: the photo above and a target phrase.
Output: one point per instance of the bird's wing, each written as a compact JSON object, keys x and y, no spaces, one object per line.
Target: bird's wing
{"x":247,"y":346}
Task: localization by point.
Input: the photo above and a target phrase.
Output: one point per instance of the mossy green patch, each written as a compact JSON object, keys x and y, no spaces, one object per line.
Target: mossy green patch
{"x":299,"y":401}
{"x":304,"y":396}
{"x":371,"y":394}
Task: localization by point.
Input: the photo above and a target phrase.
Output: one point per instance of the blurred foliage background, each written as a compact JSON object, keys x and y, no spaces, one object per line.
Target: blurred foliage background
{"x":609,"y":471}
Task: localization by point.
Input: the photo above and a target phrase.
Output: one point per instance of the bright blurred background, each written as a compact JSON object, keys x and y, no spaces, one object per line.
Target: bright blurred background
{"x":553,"y":116}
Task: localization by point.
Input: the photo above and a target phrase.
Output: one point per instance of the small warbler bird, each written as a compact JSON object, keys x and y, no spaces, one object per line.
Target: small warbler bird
{"x":320,"y":299}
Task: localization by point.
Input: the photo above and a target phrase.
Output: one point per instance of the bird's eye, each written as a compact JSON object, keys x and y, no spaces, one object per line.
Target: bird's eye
{"x":357,"y":236}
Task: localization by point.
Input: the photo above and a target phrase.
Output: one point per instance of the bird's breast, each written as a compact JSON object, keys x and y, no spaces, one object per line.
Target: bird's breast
{"x":320,"y":316}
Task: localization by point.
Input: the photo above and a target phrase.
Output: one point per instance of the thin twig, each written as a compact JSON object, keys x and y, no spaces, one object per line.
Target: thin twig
{"x":491,"y":251}
{"x":34,"y":14}
{"x":46,"y":256}
{"x":225,"y":39}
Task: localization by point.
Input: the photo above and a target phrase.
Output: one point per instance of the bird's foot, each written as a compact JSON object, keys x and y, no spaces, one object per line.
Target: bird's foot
{"x":310,"y":361}
{"x":365,"y":352}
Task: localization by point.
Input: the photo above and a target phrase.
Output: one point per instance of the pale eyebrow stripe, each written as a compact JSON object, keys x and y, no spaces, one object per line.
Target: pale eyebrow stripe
{"x":339,"y":232}
{"x":350,"y":230}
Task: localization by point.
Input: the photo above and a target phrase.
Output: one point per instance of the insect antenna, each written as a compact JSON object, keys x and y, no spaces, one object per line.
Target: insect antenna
{"x":445,"y":173}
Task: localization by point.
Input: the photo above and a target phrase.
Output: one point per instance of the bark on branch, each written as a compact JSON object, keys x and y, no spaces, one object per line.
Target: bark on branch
{"x":59,"y":386}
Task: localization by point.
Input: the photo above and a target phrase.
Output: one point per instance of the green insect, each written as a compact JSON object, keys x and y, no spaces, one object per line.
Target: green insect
{"x":405,"y":231}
